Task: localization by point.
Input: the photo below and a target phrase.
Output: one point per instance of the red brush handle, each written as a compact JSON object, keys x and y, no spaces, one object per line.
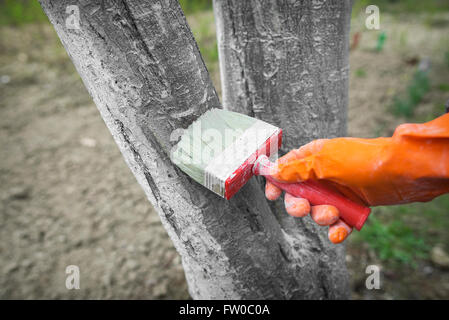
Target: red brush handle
{"x":351,"y":212}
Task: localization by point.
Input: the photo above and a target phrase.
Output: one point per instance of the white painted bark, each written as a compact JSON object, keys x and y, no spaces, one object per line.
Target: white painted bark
{"x":287,"y":62}
{"x":142,"y":67}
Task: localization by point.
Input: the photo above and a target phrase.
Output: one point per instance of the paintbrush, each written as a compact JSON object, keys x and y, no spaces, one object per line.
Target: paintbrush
{"x":222,"y":150}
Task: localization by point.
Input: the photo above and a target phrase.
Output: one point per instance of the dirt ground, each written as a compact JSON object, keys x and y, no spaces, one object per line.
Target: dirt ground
{"x":68,"y":198}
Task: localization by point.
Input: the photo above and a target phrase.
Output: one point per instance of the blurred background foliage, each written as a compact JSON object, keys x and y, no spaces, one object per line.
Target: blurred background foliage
{"x":402,"y":6}
{"x":18,"y":12}
{"x":399,"y":238}
{"x":192,"y":6}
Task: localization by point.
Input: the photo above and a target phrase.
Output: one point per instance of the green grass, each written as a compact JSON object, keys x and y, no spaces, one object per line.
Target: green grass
{"x":444,"y":87}
{"x":18,"y":12}
{"x":192,"y":6}
{"x":437,"y":110}
{"x":381,"y":41}
{"x":202,"y":28}
{"x":405,"y":105}
{"x":360,"y":73}
{"x":394,"y":241}
{"x":404,"y":235}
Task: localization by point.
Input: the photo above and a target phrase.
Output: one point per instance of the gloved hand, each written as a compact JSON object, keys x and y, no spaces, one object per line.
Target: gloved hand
{"x":412,"y":165}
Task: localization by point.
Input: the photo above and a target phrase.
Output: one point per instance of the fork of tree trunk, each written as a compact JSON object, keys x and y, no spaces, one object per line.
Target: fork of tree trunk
{"x":285,"y":62}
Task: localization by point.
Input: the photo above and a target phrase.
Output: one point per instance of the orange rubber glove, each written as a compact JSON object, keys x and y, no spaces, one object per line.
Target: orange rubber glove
{"x":412,"y":165}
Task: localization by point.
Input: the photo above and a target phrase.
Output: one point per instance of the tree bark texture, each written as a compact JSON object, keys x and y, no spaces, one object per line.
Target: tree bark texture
{"x":142,"y":67}
{"x":287,"y":62}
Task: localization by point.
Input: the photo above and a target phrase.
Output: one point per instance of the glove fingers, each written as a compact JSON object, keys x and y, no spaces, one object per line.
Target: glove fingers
{"x":271,"y":191}
{"x":304,"y":151}
{"x":339,"y":231}
{"x":325,"y":215}
{"x":296,"y":207}
{"x":311,"y":148}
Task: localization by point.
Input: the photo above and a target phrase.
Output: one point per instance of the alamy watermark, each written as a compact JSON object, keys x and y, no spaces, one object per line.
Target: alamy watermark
{"x":73,"y":279}
{"x":73,"y":19}
{"x":373,"y":280}
{"x":372,"y":22}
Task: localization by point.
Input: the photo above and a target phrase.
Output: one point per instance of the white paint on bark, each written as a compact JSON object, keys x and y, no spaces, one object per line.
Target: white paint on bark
{"x":141,"y":65}
{"x":286,"y":62}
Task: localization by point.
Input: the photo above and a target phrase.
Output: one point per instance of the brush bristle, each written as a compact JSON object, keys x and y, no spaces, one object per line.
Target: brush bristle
{"x":217,"y":143}
{"x":197,"y":145}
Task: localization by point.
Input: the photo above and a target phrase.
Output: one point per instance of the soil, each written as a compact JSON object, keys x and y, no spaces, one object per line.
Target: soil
{"x":67,"y":196}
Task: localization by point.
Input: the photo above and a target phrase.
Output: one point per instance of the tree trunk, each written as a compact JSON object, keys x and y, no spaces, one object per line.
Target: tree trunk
{"x":142,"y":67}
{"x":287,"y":62}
